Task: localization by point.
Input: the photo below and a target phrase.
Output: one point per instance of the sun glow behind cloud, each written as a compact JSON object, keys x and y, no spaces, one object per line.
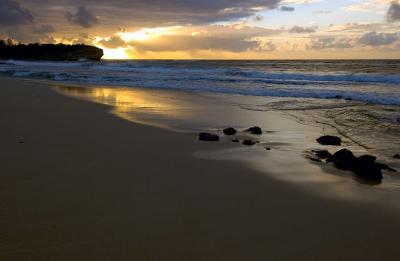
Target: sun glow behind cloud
{"x":128,"y":37}
{"x":247,"y":40}
{"x":147,"y":34}
{"x":119,"y":53}
{"x":212,"y":29}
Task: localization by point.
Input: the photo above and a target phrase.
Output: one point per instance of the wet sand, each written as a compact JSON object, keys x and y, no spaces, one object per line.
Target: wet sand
{"x":78,"y":183}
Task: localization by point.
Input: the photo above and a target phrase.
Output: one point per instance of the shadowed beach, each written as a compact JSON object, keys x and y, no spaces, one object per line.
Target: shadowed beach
{"x":80,"y":183}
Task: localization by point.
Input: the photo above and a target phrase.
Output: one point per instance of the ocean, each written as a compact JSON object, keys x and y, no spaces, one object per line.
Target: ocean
{"x":371,"y":81}
{"x":357,"y":99}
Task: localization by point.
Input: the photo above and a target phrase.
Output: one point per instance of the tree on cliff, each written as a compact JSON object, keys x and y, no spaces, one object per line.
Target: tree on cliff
{"x":59,"y":52}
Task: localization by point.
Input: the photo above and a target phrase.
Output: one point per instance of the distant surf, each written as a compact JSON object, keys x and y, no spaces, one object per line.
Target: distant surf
{"x":372,"y":81}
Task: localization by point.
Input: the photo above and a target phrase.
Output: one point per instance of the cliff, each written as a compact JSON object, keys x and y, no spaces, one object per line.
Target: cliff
{"x":53,"y":52}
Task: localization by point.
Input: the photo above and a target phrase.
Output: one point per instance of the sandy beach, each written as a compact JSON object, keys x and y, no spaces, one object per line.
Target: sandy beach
{"x":80,"y":183}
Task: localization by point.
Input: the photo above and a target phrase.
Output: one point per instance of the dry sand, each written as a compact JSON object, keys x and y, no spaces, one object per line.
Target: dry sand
{"x":77,"y":183}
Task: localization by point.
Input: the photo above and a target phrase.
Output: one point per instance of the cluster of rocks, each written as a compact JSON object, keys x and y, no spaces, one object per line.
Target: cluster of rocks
{"x":364,"y":166}
{"x":204,"y":136}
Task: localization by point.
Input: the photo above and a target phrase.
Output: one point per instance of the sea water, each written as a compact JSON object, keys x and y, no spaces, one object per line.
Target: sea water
{"x":357,"y":99}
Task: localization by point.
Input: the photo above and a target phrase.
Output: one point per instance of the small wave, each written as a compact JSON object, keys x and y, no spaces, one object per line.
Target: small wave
{"x":355,"y":78}
{"x":216,"y":77}
{"x":33,"y":64}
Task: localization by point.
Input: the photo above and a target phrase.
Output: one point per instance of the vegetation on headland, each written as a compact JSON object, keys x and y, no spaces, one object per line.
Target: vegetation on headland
{"x":54,"y":52}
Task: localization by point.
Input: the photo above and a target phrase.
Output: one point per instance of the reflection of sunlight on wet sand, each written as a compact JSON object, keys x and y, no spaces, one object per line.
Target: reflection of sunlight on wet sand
{"x":133,"y":104}
{"x":287,"y":138}
{"x":284,"y":162}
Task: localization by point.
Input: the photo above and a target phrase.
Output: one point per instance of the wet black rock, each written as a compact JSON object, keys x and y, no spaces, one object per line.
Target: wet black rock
{"x":323,"y":154}
{"x":255,"y":130}
{"x":235,"y":140}
{"x":366,"y":159}
{"x":208,"y":137}
{"x":397,"y":156}
{"x":329,"y":140}
{"x":363,"y":166}
{"x":343,"y":159}
{"x":268,"y":148}
{"x":230,"y":131}
{"x":249,"y":142}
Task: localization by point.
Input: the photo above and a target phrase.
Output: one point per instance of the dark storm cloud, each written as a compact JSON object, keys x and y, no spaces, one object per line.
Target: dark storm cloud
{"x":378,"y":39}
{"x":286,"y":9}
{"x":82,"y":17}
{"x":12,"y":14}
{"x":161,"y":12}
{"x":393,"y":14}
{"x":43,"y":29}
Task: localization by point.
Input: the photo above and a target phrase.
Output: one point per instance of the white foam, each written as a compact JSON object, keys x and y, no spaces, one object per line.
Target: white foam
{"x":379,"y":88}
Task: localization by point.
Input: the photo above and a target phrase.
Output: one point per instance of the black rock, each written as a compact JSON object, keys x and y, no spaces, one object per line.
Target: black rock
{"x":366,"y":159}
{"x":235,"y":140}
{"x":363,"y":166}
{"x":349,"y":99}
{"x":369,"y":171}
{"x":230,"y":131}
{"x":268,"y":148}
{"x":323,"y":154}
{"x":255,"y":130}
{"x":208,"y":137}
{"x":249,"y":142}
{"x":343,"y":159}
{"x":329,"y":140}
{"x":397,"y":156}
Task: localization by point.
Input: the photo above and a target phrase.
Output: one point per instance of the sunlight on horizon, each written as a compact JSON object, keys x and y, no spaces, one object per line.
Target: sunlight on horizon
{"x":117,"y":54}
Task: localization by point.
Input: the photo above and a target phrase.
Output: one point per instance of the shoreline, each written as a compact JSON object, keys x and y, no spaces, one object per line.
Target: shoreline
{"x":78,"y":183}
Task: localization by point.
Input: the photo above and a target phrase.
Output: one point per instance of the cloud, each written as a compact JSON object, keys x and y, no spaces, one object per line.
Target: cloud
{"x":365,"y":41}
{"x":151,"y":13}
{"x":323,"y":12}
{"x":187,"y":42}
{"x":12,"y":14}
{"x":287,"y":9}
{"x":330,"y":43}
{"x":231,"y":38}
{"x":43,"y":29}
{"x":298,"y":2}
{"x":258,"y":18}
{"x":301,"y":29}
{"x":376,"y":6}
{"x":82,"y":17}
{"x":378,"y":39}
{"x":234,"y":38}
{"x":393,"y":14}
{"x":112,"y":42}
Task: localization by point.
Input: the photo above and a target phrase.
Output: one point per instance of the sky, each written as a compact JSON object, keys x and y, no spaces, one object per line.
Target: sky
{"x":211,"y":29}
